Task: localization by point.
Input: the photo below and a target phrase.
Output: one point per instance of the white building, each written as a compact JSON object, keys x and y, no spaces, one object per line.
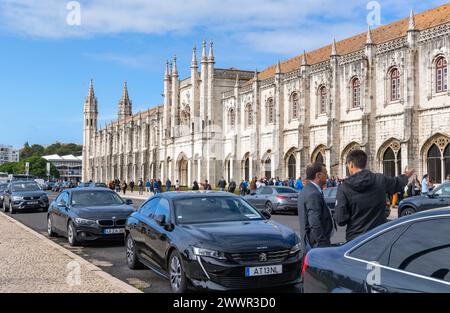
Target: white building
{"x":68,"y":166}
{"x":8,"y":154}
{"x":384,"y":91}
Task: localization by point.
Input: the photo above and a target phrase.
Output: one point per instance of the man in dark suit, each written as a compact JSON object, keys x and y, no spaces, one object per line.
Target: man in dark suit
{"x":316,"y":223}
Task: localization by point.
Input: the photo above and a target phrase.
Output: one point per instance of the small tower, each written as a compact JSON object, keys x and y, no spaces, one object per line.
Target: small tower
{"x":90,"y":128}
{"x":167,"y":99}
{"x":210,"y":105}
{"x":203,"y":86}
{"x":334,"y":49}
{"x":412,"y":31}
{"x":125,"y":105}
{"x":370,"y":46}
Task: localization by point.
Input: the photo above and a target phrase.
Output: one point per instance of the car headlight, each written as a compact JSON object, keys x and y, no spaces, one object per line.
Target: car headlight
{"x":83,"y":221}
{"x":295,"y":248}
{"x":209,"y":253}
{"x":17,"y":198}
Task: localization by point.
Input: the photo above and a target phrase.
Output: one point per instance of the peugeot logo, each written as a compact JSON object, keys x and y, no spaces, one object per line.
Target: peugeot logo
{"x":262,"y":257}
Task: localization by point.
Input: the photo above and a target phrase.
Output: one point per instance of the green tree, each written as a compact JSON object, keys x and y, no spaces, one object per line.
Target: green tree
{"x":10,"y":168}
{"x":34,"y":150}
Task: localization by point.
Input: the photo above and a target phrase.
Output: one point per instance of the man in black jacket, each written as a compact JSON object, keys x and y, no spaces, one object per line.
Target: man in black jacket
{"x":361,"y":198}
{"x":316,"y":222}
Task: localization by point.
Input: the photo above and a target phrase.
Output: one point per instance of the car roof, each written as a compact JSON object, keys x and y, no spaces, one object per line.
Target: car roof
{"x":196,"y":194}
{"x":23,"y":181}
{"x":90,"y":189}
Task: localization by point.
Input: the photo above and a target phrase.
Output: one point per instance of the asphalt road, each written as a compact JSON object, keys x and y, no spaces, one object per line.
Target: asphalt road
{"x":110,"y":257}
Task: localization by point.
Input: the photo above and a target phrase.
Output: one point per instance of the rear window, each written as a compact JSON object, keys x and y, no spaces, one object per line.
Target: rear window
{"x":286,"y":190}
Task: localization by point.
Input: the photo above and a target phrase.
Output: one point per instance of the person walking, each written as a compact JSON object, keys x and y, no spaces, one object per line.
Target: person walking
{"x":316,"y":222}
{"x":177,"y":185}
{"x":232,"y":186}
{"x":156,"y":188}
{"x":168,"y":184}
{"x":159,"y":182}
{"x":206,"y":185}
{"x":425,"y":184}
{"x":147,"y":185}
{"x":141,"y":186}
{"x":242,"y":188}
{"x":298,"y":184}
{"x":361,"y":198}
{"x":124,"y":187}
{"x":222,"y":184}
{"x":152,"y":185}
{"x":253,"y":185}
{"x":195,"y":186}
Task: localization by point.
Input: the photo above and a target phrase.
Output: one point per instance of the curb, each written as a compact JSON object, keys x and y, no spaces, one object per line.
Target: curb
{"x":89,"y":266}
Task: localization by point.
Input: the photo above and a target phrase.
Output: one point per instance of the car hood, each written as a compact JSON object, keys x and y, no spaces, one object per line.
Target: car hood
{"x":242,"y":236}
{"x":415,"y":200}
{"x":104,"y":212}
{"x":28,"y":193}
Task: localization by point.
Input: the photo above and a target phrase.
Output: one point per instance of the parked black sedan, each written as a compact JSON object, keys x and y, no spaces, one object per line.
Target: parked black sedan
{"x":211,"y":240}
{"x":439,"y":197}
{"x":24,"y":195}
{"x":410,"y":254}
{"x":85,"y":214}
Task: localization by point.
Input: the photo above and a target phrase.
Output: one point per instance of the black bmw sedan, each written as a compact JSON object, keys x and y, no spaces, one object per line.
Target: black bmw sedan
{"x":85,"y":214}
{"x":410,"y":254}
{"x":211,"y":240}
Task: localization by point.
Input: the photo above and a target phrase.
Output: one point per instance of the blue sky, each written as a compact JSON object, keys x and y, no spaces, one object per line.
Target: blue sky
{"x":46,"y":64}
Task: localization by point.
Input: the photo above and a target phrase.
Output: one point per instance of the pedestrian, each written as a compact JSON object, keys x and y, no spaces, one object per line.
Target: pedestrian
{"x":447,"y":179}
{"x":425,"y":184}
{"x":253,"y":185}
{"x":361,"y":198}
{"x":147,"y":185}
{"x":195,"y":186}
{"x":159,"y":182}
{"x":316,"y":222}
{"x":206,"y":185}
{"x":132,"y":185}
{"x":124,"y":187}
{"x":222,"y":184}
{"x":298,"y":184}
{"x":118,"y":185}
{"x":168,"y":184}
{"x":232,"y":186}
{"x":156,"y":188}
{"x":177,"y":185}
{"x":242,"y":188}
{"x":152,"y":185}
{"x":141,"y":186}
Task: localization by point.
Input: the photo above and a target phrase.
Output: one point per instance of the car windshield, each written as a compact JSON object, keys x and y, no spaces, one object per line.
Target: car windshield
{"x":25,"y":186}
{"x":95,"y":198}
{"x":285,"y":190}
{"x":213,"y":209}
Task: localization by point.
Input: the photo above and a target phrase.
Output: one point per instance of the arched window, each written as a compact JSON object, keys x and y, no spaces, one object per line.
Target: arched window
{"x":441,"y":75}
{"x":319,"y":158}
{"x":292,"y":166}
{"x":322,"y":100}
{"x":268,"y":168}
{"x":249,"y":115}
{"x":270,"y":118}
{"x":294,"y":106}
{"x":434,"y":164}
{"x":395,"y":84}
{"x":231,"y":117}
{"x":447,"y":161}
{"x":389,"y":162}
{"x":356,"y":93}
{"x":247,"y":168}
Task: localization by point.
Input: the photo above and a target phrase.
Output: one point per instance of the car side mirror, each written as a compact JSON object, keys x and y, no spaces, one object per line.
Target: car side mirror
{"x":62,"y":204}
{"x":266,"y":214}
{"x":128,"y":201}
{"x":160,"y":219}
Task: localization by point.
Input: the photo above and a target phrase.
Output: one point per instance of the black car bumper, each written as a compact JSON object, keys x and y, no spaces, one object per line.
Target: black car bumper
{"x":227,"y":276}
{"x":28,"y":205}
{"x":95,"y":232}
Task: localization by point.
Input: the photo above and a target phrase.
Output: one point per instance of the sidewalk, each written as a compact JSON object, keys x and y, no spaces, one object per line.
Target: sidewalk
{"x":135,"y":195}
{"x":30,"y":262}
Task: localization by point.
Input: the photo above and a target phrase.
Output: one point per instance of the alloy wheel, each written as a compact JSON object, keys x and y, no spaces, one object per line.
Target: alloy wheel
{"x":269,"y":207}
{"x":175,"y":273}
{"x":130,"y":250}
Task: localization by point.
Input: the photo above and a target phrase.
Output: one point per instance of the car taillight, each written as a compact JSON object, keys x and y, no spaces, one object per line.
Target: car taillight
{"x":305,"y":265}
{"x":281,"y":197}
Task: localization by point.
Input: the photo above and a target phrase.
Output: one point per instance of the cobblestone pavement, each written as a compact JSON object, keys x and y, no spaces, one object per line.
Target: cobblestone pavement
{"x":29,"y":262}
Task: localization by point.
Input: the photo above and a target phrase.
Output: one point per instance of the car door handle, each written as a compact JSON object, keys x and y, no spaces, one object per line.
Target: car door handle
{"x":379,"y":289}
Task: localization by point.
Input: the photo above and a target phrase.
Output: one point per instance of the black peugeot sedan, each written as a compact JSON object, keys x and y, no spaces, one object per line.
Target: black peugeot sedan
{"x":439,"y":197}
{"x":86,"y":214}
{"x":410,"y":254}
{"x":211,"y":240}
{"x":24,"y":195}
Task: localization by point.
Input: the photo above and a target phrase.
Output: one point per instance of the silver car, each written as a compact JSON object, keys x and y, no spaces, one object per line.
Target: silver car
{"x":274,"y":198}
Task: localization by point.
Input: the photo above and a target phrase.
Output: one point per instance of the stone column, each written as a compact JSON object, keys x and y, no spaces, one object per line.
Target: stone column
{"x":189,"y":178}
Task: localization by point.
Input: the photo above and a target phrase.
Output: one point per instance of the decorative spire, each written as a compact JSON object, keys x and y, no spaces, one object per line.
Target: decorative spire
{"x":333,"y":48}
{"x":125,"y":92}
{"x":236,"y":84}
{"x":167,"y":74}
{"x":412,"y":22}
{"x":125,"y":109}
{"x":174,"y":68}
{"x":256,"y":74}
{"x":369,"y":40}
{"x":211,"y":53}
{"x":305,"y":59}
{"x":194,"y":58}
{"x":204,"y":59}
{"x":278,"y":69}
{"x":91,"y":89}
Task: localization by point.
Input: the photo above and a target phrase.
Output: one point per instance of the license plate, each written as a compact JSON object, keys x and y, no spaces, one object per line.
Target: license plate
{"x":32,"y":202}
{"x":263,"y":270}
{"x":294,"y":199}
{"x":111,"y":231}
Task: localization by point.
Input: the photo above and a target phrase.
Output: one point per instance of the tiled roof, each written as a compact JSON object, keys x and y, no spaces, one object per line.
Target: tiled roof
{"x":428,"y":19}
